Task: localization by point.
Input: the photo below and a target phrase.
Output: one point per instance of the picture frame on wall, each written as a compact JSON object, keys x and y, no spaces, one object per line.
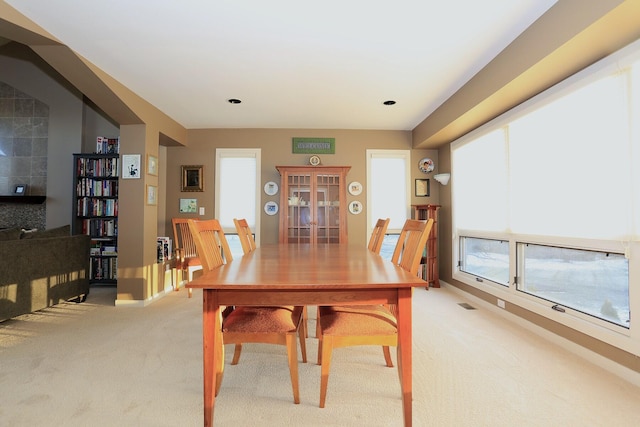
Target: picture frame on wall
{"x":188,"y":205}
{"x":152,"y":195}
{"x":152,"y":165}
{"x":131,"y":166}
{"x":422,"y":188}
{"x":192,"y":178}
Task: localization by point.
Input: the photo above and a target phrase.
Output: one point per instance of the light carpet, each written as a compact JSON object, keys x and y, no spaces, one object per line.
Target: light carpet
{"x":100,"y":365}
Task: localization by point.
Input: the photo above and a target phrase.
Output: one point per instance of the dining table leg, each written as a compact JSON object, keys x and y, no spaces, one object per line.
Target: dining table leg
{"x":404,"y":353}
{"x":211,"y":323}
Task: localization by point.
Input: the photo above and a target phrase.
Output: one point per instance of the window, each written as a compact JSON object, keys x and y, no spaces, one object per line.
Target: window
{"x":594,"y":283}
{"x":388,"y":174}
{"x":548,"y":194}
{"x":237,"y":192}
{"x":485,"y":259}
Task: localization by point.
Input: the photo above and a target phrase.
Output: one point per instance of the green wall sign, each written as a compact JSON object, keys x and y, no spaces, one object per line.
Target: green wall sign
{"x":314,"y":145}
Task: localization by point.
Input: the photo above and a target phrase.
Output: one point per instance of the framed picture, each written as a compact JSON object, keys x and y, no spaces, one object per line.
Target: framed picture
{"x":130,"y":166}
{"x":192,"y":178}
{"x":422,"y":187}
{"x":152,"y":165}
{"x":188,"y":205}
{"x":152,"y":195}
{"x":20,"y":190}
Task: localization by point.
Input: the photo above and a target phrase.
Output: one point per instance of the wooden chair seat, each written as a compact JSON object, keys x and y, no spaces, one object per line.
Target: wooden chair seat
{"x":357,"y":320}
{"x":263,"y":320}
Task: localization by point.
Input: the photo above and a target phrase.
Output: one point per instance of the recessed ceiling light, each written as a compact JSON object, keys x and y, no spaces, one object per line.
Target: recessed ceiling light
{"x":234,"y":101}
{"x":390,"y":102}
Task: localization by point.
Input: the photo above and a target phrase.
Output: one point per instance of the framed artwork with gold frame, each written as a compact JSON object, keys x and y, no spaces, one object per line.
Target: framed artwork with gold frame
{"x":192,"y":178}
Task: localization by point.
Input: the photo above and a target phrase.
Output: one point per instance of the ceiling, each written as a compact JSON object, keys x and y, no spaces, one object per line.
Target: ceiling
{"x":293,"y":64}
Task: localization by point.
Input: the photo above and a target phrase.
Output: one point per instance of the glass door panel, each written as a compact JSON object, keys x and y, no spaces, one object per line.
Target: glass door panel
{"x":299,"y":215}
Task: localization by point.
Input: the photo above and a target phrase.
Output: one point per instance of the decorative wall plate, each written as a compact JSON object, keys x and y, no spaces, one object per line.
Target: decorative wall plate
{"x":271,"y":208}
{"x":271,"y":188}
{"x":426,"y":165}
{"x":355,"y":207}
{"x":355,"y":188}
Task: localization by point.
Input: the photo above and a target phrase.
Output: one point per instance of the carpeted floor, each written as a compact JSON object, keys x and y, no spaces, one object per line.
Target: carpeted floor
{"x":95,"y":364}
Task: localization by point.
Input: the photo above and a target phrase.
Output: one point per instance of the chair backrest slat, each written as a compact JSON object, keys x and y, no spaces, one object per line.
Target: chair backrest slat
{"x":246,"y":236}
{"x":183,"y":238}
{"x":377,"y":235}
{"x":211,"y":243}
{"x":411,"y":244}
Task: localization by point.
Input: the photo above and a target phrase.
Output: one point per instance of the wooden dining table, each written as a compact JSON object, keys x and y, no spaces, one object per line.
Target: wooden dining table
{"x":309,"y":275}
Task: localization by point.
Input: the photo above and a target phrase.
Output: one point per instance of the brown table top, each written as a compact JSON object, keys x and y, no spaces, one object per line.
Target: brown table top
{"x":321,"y":266}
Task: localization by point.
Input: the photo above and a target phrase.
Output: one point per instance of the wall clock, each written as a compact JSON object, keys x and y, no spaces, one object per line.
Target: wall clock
{"x":426,"y":165}
{"x":314,"y":160}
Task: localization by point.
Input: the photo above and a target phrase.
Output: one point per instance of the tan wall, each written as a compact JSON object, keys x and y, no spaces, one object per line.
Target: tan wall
{"x":276,"y":149}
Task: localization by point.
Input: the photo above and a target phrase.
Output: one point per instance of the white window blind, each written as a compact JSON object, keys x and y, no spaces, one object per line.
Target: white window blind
{"x":570,"y":173}
{"x":388,"y":189}
{"x":237,"y":194}
{"x":481,"y":184}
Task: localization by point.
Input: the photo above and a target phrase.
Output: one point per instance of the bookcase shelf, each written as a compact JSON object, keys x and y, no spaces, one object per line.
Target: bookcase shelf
{"x":429,"y":262}
{"x":95,"y":208}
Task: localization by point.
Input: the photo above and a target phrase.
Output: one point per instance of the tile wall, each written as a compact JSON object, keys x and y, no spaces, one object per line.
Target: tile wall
{"x":24,"y":130}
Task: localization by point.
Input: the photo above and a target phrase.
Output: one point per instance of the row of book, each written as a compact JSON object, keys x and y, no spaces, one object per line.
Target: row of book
{"x":105,"y":145}
{"x":88,"y":206}
{"x":103,"y":249}
{"x":97,"y":188}
{"x":98,"y":167}
{"x":100,"y":227}
{"x":103,"y":268}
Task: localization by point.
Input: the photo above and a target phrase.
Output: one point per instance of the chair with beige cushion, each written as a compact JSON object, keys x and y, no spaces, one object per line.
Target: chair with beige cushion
{"x":249,"y":244}
{"x":346,"y":326}
{"x":270,"y":325}
{"x":375,"y":244}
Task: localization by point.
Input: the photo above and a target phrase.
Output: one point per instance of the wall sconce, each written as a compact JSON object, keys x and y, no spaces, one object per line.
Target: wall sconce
{"x":442,"y":178}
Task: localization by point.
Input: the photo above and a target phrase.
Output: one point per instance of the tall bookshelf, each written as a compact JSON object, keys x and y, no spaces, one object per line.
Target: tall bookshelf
{"x":95,"y":207}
